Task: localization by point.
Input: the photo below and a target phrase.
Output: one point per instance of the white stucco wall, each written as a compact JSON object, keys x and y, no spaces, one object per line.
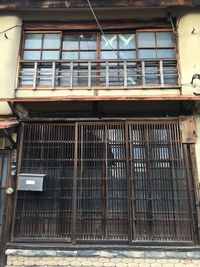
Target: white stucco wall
{"x":189,"y":58}
{"x":189,"y":49}
{"x":9,"y":48}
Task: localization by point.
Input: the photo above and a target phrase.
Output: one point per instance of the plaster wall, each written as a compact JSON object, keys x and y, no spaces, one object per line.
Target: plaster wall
{"x":189,"y":46}
{"x":9,"y":47}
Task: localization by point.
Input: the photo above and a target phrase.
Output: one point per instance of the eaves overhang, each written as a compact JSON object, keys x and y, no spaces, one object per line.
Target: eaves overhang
{"x":71,"y":4}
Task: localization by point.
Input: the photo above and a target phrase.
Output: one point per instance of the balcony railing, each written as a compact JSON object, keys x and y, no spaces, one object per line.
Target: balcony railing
{"x":98,"y":74}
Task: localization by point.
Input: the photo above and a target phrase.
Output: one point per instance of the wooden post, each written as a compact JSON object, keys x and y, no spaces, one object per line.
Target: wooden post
{"x":107,"y":74}
{"x":89,"y":74}
{"x":125,"y":74}
{"x":143,"y":74}
{"x":53,"y":74}
{"x":35,"y":75}
{"x":161,"y":73}
{"x":71,"y":74}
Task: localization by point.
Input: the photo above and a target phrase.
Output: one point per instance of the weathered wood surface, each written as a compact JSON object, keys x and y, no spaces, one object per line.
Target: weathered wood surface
{"x":106,"y":25}
{"x":46,"y":4}
{"x":188,"y":132}
{"x":102,"y":98}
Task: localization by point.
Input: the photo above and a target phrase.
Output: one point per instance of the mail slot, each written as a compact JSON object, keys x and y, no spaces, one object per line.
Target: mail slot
{"x":30,"y":182}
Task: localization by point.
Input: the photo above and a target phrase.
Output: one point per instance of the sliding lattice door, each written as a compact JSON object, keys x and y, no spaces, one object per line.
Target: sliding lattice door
{"x":106,"y":181}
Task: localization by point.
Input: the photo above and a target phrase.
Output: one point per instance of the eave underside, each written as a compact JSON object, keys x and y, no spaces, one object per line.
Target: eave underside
{"x":46,"y":4}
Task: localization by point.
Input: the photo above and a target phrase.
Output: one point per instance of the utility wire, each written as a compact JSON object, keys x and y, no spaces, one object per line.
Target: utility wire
{"x":15,"y":26}
{"x":101,"y":30}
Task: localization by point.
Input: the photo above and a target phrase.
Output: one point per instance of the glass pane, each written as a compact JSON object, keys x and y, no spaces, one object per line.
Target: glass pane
{"x":146,"y":39}
{"x":126,"y":41}
{"x":45,"y":76}
{"x":69,"y":55}
{"x":127,"y":54}
{"x":151,"y":75}
{"x":164,"y":39}
{"x":87,"y":55}
{"x":170,"y":75}
{"x":33,"y":41}
{"x":27,"y":74}
{"x":108,"y":55}
{"x":109,"y":41}
{"x":147,"y":53}
{"x":51,"y":41}
{"x":31,"y":55}
{"x":88,"y":42}
{"x":50,"y":55}
{"x":70,"y":42}
{"x":165,"y":53}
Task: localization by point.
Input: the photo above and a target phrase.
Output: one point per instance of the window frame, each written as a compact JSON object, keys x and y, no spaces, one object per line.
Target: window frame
{"x":98,"y":42}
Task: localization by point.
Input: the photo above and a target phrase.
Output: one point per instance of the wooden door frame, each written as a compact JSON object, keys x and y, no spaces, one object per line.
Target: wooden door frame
{"x":6,"y":220}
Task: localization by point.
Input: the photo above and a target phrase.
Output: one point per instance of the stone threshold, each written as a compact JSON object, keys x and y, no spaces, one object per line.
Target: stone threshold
{"x":123,"y":253}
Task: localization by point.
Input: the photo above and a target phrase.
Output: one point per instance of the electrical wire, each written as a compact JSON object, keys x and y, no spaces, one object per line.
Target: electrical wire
{"x":15,"y":26}
{"x":101,"y":30}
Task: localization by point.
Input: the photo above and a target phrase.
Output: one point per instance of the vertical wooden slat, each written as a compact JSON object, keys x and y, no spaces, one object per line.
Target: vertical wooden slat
{"x":143,"y":74}
{"x":130,"y":184}
{"x":35,"y":72}
{"x":74,"y":194}
{"x":53,"y":75}
{"x":125,"y":74}
{"x":107,"y":74}
{"x":71,"y":74}
{"x":89,"y":74}
{"x":161,"y":69}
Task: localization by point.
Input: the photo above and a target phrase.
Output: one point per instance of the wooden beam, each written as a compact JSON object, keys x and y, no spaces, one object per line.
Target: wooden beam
{"x":7,"y":136}
{"x":91,"y":25}
{"x":48,"y":4}
{"x":14,"y":110}
{"x":103,"y":98}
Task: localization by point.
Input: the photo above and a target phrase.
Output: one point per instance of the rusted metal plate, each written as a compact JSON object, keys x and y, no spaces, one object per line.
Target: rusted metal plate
{"x":188,"y":133}
{"x":30,"y":4}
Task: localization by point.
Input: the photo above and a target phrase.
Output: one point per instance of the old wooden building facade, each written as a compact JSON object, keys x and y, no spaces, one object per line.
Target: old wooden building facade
{"x":100,"y":120}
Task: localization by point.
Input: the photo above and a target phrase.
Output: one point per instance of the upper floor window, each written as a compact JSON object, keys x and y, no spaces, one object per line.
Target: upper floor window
{"x":94,"y":46}
{"x":125,"y":59}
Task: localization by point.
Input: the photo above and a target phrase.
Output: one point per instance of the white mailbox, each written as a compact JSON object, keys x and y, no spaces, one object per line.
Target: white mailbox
{"x":30,"y":182}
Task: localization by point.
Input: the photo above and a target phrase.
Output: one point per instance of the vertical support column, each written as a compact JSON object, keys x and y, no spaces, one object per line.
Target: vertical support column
{"x":21,"y":134}
{"x":130,"y":185}
{"x":188,"y":139}
{"x":74,"y":198}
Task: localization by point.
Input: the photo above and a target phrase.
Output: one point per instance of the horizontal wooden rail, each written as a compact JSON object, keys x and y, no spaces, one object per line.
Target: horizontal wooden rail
{"x":99,"y":74}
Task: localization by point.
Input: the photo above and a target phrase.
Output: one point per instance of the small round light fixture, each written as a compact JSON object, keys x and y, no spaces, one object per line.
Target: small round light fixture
{"x":9,"y":190}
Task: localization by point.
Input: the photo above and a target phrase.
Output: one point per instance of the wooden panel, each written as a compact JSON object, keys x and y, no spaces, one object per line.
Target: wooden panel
{"x":188,"y":133}
{"x":91,"y":25}
{"x":46,"y":4}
